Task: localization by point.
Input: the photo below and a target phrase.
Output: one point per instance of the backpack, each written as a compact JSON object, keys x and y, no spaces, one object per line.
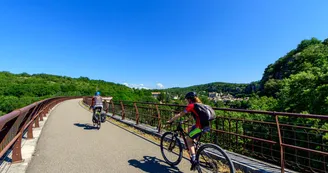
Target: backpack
{"x":205,"y":111}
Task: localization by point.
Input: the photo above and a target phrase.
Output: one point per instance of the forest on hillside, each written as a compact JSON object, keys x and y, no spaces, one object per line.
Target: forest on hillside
{"x":19,"y":90}
{"x":235,"y":89}
{"x":296,"y":82}
{"x":299,"y":80}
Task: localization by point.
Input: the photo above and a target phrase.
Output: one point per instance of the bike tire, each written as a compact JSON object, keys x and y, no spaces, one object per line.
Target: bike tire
{"x":99,"y":121}
{"x":220,"y":151}
{"x":94,"y":120}
{"x":166,"y":136}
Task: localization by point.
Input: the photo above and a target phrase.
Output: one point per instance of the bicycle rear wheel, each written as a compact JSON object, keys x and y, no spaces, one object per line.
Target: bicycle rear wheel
{"x":94,"y":121}
{"x":212,"y":158}
{"x":99,"y":120}
{"x":171,"y":148}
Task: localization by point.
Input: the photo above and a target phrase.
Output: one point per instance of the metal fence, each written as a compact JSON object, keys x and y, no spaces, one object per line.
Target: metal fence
{"x":16,"y":123}
{"x":295,"y":141}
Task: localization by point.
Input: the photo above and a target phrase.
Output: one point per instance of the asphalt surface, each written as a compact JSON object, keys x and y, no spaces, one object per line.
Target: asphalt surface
{"x":69,"y":144}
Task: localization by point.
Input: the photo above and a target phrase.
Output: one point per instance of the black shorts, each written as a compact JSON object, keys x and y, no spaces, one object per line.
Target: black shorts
{"x":98,"y":107}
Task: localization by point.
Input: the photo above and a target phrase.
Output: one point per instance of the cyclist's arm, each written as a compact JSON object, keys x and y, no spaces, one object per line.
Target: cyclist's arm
{"x":92,"y":101}
{"x":184,"y":112}
{"x":177,"y":116}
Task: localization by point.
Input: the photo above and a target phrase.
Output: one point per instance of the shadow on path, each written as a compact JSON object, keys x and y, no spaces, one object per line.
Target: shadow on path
{"x":133,"y":132}
{"x":86,"y":126}
{"x":6,"y":158}
{"x":152,"y":164}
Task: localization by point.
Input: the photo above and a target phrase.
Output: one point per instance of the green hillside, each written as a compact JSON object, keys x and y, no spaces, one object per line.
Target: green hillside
{"x":299,"y":80}
{"x":296,"y":82}
{"x":18,"y":90}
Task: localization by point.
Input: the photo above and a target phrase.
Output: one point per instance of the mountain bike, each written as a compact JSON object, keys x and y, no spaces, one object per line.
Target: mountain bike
{"x":97,"y":120}
{"x":210,"y":157}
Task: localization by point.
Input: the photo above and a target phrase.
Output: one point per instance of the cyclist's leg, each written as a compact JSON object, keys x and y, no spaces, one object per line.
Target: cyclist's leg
{"x":93,"y":114}
{"x":193,"y":134}
{"x":99,"y":107}
{"x":189,"y":140}
{"x":95,"y":108}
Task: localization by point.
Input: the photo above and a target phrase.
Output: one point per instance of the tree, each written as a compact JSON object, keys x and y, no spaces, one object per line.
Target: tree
{"x":263,"y":103}
{"x":305,"y":43}
{"x":325,"y":42}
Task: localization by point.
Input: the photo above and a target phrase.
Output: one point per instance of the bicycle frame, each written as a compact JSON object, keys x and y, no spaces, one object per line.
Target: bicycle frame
{"x":200,"y":150}
{"x":180,"y":131}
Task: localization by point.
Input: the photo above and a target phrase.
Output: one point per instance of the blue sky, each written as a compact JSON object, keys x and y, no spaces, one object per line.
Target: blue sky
{"x":172,"y":42}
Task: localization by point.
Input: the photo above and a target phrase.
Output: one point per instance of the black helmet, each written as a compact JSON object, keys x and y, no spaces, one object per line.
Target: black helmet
{"x":190,"y":95}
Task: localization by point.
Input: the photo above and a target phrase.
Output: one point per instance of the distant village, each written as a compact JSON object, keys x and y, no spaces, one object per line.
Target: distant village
{"x":214,"y":96}
{"x":224,"y":97}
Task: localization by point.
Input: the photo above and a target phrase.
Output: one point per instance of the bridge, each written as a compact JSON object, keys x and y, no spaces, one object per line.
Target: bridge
{"x":56,"y":135}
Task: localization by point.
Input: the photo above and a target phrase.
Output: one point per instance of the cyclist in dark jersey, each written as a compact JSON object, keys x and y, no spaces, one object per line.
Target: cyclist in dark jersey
{"x":96,"y":103}
{"x":202,"y":125}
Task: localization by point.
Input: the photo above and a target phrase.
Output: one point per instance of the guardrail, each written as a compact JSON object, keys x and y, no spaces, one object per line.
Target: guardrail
{"x":16,"y":123}
{"x":295,"y":141}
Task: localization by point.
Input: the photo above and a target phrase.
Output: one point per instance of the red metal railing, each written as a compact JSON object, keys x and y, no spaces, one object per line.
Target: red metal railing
{"x":14,"y":125}
{"x":295,"y":141}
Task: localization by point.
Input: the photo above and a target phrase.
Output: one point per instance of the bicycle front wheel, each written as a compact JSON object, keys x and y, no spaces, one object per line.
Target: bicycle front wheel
{"x":212,"y":158}
{"x":171,"y":148}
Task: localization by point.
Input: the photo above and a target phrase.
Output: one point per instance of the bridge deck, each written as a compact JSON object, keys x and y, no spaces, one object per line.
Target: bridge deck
{"x":68,"y":144}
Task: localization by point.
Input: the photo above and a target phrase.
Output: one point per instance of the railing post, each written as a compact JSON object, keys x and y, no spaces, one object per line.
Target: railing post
{"x":217,"y":133}
{"x":159,"y":119}
{"x":282,"y":162}
{"x":236,"y":133}
{"x":107,"y":106}
{"x":45,"y":113}
{"x":113,"y":107}
{"x":47,"y":109}
{"x":30,"y":127}
{"x":123,"y":113}
{"x":41,"y":116}
{"x":36,"y":122}
{"x":17,"y":150}
{"x":137,"y":113}
{"x":230,"y":140}
{"x":30,"y":131}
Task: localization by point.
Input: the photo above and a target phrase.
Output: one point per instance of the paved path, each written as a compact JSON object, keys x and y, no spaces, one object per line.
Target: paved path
{"x":67,"y":144}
